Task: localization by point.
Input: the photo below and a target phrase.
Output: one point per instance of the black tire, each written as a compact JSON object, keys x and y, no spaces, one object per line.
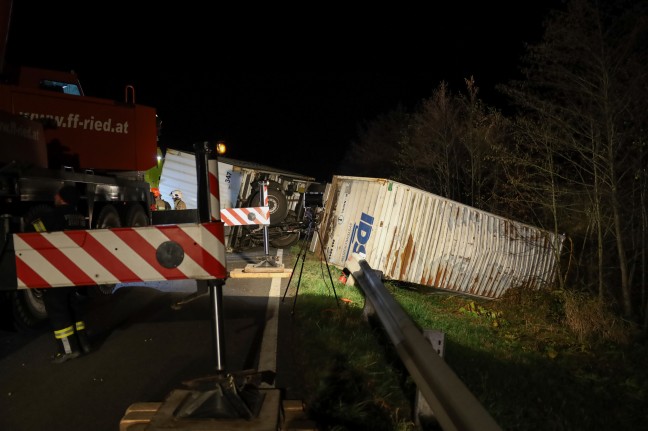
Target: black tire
{"x":288,"y":239}
{"x":108,"y":218}
{"x":28,"y":309}
{"x":277,"y":204}
{"x":287,"y":234}
{"x":136,"y":217}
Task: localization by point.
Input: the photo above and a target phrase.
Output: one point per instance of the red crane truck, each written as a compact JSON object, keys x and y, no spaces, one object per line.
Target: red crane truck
{"x":52,"y":134}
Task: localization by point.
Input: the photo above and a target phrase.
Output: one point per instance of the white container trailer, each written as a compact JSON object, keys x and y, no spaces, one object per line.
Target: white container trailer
{"x":415,"y":236}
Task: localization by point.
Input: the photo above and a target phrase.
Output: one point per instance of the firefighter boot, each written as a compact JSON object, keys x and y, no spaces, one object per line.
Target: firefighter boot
{"x":67,"y":344}
{"x":82,"y":337}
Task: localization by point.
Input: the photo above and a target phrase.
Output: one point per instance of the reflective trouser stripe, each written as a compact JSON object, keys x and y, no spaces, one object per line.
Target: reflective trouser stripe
{"x":80,"y":325}
{"x":39,"y":226}
{"x":63,"y":335}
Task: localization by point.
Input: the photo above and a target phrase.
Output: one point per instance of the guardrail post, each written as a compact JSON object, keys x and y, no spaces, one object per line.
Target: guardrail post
{"x":423,"y":413}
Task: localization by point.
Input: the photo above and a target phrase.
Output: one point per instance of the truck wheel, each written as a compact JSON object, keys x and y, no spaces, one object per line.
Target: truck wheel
{"x":287,"y":234}
{"x":108,"y":218}
{"x":136,"y":217}
{"x":286,"y":240}
{"x":277,"y":204}
{"x":28,"y":309}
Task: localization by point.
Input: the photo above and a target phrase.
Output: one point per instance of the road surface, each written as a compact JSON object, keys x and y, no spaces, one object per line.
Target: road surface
{"x":146,"y":347}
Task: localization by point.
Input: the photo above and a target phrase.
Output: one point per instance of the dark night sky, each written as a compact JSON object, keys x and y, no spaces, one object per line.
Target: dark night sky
{"x":283,"y":86}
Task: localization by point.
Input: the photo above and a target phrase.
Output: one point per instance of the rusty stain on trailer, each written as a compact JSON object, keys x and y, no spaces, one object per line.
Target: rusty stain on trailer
{"x":439,"y":276}
{"x":393,"y":252}
{"x":406,"y":256}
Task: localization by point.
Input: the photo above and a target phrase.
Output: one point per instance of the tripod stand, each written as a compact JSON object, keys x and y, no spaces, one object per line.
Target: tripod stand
{"x":312,"y":227}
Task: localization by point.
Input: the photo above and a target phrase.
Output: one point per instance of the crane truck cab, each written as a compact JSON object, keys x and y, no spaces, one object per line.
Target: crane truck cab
{"x":43,"y":79}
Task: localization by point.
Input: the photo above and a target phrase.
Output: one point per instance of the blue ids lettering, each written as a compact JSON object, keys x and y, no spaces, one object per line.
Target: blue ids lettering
{"x":361,"y":233}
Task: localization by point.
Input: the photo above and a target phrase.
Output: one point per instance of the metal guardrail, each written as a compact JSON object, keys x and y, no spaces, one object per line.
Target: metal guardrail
{"x":453,"y":405}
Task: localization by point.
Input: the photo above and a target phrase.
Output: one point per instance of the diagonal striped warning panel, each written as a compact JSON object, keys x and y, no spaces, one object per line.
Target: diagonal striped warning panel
{"x":120,"y":255}
{"x":245,"y":216}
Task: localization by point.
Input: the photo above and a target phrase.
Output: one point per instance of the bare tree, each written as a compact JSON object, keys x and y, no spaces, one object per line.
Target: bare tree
{"x":427,"y":156}
{"x":484,"y":129}
{"x":447,"y":145}
{"x":584,"y":108}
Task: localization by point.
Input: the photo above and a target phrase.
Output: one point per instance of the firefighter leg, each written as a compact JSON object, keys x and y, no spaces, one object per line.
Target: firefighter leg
{"x":67,"y":345}
{"x":58,"y":311}
{"x":77,"y":308}
{"x":82,"y":336}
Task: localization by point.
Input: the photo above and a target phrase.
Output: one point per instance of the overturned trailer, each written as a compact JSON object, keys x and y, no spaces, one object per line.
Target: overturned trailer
{"x":418,"y":237}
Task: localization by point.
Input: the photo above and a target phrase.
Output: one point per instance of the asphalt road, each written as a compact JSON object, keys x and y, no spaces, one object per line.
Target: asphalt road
{"x":146,"y":347}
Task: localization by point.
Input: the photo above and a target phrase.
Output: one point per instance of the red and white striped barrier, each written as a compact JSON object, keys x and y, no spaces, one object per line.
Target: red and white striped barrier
{"x":214,"y":191}
{"x":245,"y":216}
{"x":265,"y":193}
{"x":120,"y":255}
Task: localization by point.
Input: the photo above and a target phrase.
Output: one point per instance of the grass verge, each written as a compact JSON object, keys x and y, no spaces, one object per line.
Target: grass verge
{"x":536,"y":360}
